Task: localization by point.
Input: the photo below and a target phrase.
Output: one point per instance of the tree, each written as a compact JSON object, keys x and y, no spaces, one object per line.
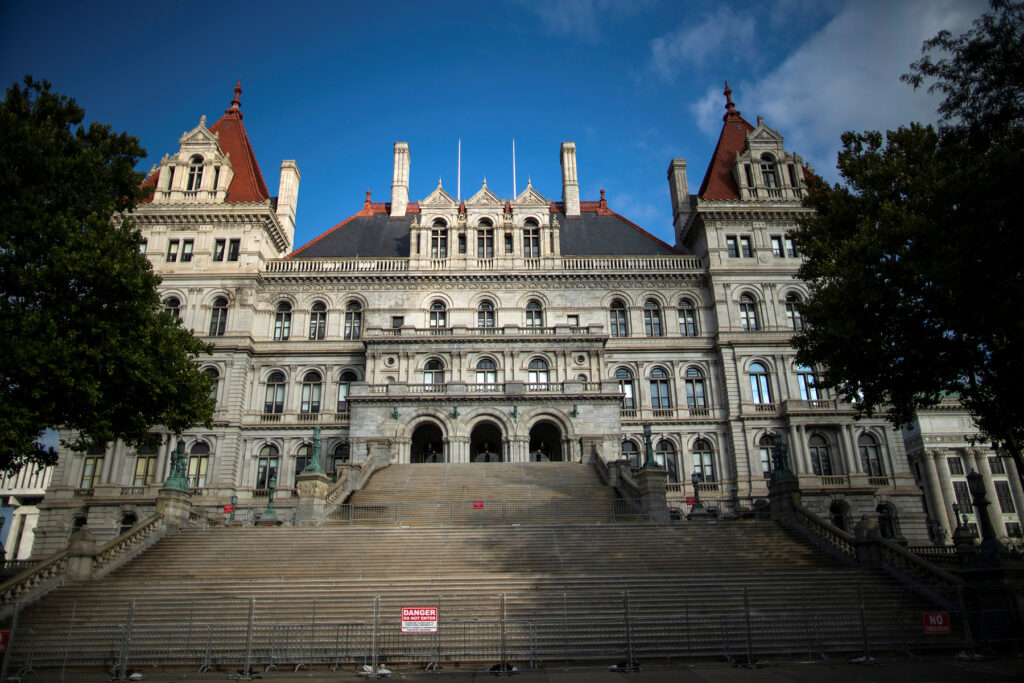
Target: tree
{"x":86,"y":346}
{"x":914,"y":265}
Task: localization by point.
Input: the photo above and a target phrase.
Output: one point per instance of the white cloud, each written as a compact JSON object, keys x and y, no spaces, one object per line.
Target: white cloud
{"x":846,"y":77}
{"x":690,"y":44}
{"x":581,"y":19}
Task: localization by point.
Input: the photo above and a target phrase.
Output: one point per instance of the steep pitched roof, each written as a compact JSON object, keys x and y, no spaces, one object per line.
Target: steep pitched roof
{"x":718,"y":181}
{"x":247,"y":184}
{"x":597,"y":231}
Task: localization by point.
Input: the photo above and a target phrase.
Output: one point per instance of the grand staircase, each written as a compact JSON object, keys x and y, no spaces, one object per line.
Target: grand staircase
{"x":526,"y":592}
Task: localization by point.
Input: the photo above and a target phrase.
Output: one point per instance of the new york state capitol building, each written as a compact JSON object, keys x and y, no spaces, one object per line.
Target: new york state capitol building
{"x":518,"y":330}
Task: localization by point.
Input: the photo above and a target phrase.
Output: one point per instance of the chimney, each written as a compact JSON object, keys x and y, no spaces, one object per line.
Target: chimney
{"x":680,"y":192}
{"x":400,"y":184}
{"x":288,"y":198}
{"x":570,"y":184}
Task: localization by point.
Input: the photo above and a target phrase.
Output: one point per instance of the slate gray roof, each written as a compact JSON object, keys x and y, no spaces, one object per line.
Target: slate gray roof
{"x":379,"y":236}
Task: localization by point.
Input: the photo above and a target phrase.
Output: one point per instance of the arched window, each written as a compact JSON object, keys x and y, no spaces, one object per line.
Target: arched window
{"x":486,"y":371}
{"x":748,"y":313}
{"x":618,"y":319}
{"x":769,"y":175}
{"x":438,"y":315}
{"x":793,"y":315}
{"x":214,"y":375}
{"x":353,"y":320}
{"x":537,"y":373}
{"x":283,"y":321}
{"x":342,"y":454}
{"x":198,"y":464}
{"x":760,"y":391}
{"x":485,"y":314}
{"x":704,"y":460}
{"x":764,"y":446}
{"x":266,"y":466}
{"x":439,"y":239}
{"x":870,"y":458}
{"x":195,"y":173}
{"x":531,"y":239}
{"x":687,"y":318}
{"x":318,"y":320}
{"x":534,"y":314}
{"x":219,"y":317}
{"x":808,"y":383}
{"x":886,"y":520}
{"x":484,"y":240}
{"x":665,"y":454}
{"x":274,"y":398}
{"x":302,"y":458}
{"x":128,"y":520}
{"x":311,"y":388}
{"x":172,"y":306}
{"x":344,"y":384}
{"x":821,"y":459}
{"x":433,"y":374}
{"x":625,"y":378}
{"x":696,"y":394}
{"x":631,"y":452}
{"x":660,"y":395}
{"x":652,"y":318}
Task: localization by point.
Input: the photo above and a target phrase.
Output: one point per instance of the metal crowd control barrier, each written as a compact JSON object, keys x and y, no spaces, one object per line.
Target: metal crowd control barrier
{"x":491,"y":511}
{"x":489,"y":629}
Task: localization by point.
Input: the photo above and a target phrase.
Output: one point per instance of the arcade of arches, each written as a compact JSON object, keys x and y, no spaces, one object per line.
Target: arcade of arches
{"x":487,"y":442}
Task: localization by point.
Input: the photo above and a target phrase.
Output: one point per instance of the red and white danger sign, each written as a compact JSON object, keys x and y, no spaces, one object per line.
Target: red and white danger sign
{"x":419,"y":620}
{"x":937,"y":623}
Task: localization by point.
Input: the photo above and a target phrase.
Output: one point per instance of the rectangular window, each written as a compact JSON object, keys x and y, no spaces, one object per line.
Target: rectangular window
{"x":508,"y":243}
{"x":197,"y":465}
{"x":955,"y":465}
{"x":265,"y":471}
{"x":777,"y":246}
{"x":145,"y":469}
{"x":790,"y":247}
{"x":462,"y":243}
{"x":233,"y":247}
{"x":397,"y":321}
{"x":749,"y":174}
{"x":732,"y":245}
{"x":142,"y":247}
{"x":792,"y":175}
{"x":91,"y":471}
{"x":995,"y":463}
{"x":963,"y":496}
{"x":531,"y":243}
{"x":186,"y":251}
{"x":172,"y":251}
{"x":1004,"y":496}
{"x":438,"y":244}
{"x":485,"y":244}
{"x":218,"y":250}
{"x":417,"y":243}
{"x":745,"y":247}
{"x":573,"y":320}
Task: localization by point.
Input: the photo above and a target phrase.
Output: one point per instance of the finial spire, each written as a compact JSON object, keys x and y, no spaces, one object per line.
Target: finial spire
{"x":730,"y":108}
{"x":236,"y":104}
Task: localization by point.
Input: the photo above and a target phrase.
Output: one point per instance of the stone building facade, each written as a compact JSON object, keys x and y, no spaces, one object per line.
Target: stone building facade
{"x":492,"y":329}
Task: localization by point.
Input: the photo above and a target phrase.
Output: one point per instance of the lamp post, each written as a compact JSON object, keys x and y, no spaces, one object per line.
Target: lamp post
{"x":780,"y":462}
{"x":177,"y":480}
{"x":649,"y":461}
{"x":698,"y":507}
{"x":268,"y":512}
{"x":990,"y":545}
{"x":314,"y":459}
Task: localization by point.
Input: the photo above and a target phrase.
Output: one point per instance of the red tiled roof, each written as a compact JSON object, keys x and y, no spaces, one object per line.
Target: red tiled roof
{"x":149,"y":182}
{"x":247,"y":184}
{"x":718,"y":181}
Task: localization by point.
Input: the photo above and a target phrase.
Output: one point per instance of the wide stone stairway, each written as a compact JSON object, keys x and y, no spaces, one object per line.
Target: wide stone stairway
{"x":530,"y":592}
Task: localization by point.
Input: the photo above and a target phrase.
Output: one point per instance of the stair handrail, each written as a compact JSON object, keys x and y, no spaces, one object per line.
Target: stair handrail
{"x":348,"y":482}
{"x":52,"y":567}
{"x":900,"y":559}
{"x":128,"y":541}
{"x":336,"y":487}
{"x":830,"y":537}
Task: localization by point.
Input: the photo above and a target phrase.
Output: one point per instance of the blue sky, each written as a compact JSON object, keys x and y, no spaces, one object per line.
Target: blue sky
{"x":633,"y":83}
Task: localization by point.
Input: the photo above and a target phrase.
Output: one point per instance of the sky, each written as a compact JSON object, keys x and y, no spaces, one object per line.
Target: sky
{"x":633,"y":83}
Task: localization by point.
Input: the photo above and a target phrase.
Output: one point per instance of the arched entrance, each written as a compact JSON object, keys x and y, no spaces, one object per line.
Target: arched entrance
{"x":427,"y":444}
{"x":545,"y":442}
{"x":485,"y":443}
{"x":838,"y":514}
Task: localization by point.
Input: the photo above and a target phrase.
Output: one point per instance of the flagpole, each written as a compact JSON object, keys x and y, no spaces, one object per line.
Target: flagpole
{"x":458,"y":189}
{"x":514,"y":190}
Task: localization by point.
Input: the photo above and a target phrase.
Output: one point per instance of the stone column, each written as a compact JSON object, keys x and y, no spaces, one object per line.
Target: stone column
{"x":311,"y":489}
{"x":1015,"y":488}
{"x":947,"y":489}
{"x":936,"y":502}
{"x":849,"y":449}
{"x":995,"y":512}
{"x":652,"y":492}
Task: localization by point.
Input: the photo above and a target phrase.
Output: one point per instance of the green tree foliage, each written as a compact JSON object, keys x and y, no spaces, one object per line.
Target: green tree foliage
{"x":914,"y":263}
{"x":85,"y":344}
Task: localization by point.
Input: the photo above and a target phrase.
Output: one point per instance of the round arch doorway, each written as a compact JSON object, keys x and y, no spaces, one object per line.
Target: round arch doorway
{"x":545,"y":442}
{"x":485,"y":443}
{"x":427,"y":444}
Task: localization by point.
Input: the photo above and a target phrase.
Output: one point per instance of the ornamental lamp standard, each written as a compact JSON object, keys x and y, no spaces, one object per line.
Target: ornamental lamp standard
{"x":268,"y":512}
{"x":649,"y":461}
{"x":177,"y":480}
{"x":780,"y":462}
{"x":698,"y":507}
{"x":990,"y":545}
{"x":314,"y":459}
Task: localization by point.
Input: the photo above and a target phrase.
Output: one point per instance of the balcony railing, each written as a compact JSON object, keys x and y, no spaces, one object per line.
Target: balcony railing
{"x":299,"y":417}
{"x":576,"y":264}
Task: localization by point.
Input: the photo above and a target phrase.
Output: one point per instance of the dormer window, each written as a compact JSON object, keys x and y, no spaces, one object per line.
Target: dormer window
{"x":195,"y":173}
{"x":531,"y":239}
{"x":769,"y":174}
{"x":439,"y":239}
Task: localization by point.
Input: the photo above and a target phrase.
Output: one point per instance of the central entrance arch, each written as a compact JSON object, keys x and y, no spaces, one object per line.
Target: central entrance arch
{"x":485,"y":443}
{"x":545,"y":442}
{"x":427,"y":443}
